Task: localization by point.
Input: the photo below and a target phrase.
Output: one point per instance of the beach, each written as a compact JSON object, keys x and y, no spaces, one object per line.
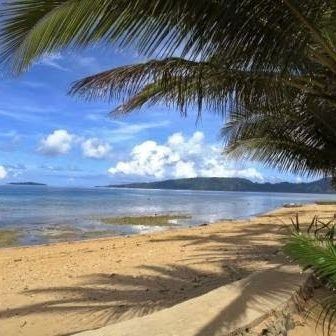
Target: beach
{"x":65,"y":288}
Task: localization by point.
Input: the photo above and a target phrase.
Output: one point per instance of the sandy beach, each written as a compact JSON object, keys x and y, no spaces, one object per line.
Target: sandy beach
{"x":70,"y":287}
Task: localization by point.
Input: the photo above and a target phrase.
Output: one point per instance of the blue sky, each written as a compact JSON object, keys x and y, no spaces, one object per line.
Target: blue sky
{"x":47,"y":136}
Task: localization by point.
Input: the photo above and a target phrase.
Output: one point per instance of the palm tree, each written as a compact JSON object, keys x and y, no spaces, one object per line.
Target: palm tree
{"x":267,"y":64}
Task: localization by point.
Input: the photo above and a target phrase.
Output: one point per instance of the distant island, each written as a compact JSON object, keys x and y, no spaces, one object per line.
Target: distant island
{"x":27,"y":183}
{"x":233,"y":184}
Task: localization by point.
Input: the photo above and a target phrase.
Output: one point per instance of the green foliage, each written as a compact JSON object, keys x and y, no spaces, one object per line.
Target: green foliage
{"x":271,"y":65}
{"x":232,"y":184}
{"x":202,"y":29}
{"x":296,"y":135}
{"x":314,"y":253}
{"x":314,"y":248}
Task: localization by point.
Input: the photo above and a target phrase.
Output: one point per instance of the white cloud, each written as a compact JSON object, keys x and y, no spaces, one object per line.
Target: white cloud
{"x":214,"y":168}
{"x":53,"y":61}
{"x":185,"y":170}
{"x":3,"y":172}
{"x":121,"y":131}
{"x":95,"y":148}
{"x":58,"y":142}
{"x":61,"y":142}
{"x":176,"y":140}
{"x":181,"y":157}
{"x":148,"y":159}
{"x":299,"y":179}
{"x":126,"y":131}
{"x":14,"y":170}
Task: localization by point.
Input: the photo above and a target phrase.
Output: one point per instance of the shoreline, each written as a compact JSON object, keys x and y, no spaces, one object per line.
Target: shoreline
{"x":158,"y":232}
{"x":81,"y":217}
{"x":109,"y":234}
{"x":64,"y":288}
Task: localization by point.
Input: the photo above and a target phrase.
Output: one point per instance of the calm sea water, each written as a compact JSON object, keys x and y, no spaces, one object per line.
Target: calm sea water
{"x":47,"y":214}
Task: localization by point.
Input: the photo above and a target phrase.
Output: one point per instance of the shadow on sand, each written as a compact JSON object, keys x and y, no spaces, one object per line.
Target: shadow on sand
{"x":100,"y":299}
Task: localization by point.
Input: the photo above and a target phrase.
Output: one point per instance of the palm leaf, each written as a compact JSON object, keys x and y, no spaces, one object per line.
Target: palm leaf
{"x":315,"y":249}
{"x":177,"y":80}
{"x":292,"y":136}
{"x":310,"y":252}
{"x":247,"y":33}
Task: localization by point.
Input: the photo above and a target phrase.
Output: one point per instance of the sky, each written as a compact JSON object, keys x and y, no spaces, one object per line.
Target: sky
{"x":49,"y":137}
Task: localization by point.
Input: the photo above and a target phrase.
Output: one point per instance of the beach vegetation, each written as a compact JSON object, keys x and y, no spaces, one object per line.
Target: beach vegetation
{"x":313,"y":247}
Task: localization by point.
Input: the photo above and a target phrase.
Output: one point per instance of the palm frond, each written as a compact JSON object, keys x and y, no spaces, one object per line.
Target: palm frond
{"x":256,"y":34}
{"x":181,"y":82}
{"x":292,"y":136}
{"x":314,"y":248}
{"x":317,"y":254}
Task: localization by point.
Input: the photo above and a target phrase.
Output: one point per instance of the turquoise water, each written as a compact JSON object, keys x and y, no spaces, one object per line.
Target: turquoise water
{"x":48,"y":214}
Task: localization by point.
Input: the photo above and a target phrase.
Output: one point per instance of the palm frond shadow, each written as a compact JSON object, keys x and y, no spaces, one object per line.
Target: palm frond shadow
{"x":259,"y":292}
{"x":247,"y":244}
{"x":101,"y":299}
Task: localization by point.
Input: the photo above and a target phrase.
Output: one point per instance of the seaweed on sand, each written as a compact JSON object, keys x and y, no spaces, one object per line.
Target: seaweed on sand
{"x":148,"y":220}
{"x":9,"y":237}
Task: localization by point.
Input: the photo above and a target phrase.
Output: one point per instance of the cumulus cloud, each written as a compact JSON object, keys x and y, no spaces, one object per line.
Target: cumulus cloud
{"x":3,"y":172}
{"x":180,"y":157}
{"x":185,"y":170}
{"x":58,"y":142}
{"x":61,"y":142}
{"x":148,"y":159}
{"x":95,"y":148}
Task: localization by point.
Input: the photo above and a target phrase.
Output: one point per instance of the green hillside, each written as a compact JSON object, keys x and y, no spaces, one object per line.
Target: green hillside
{"x":233,"y":184}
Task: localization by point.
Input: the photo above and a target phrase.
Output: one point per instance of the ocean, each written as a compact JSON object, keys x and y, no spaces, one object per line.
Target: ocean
{"x":41,"y":215}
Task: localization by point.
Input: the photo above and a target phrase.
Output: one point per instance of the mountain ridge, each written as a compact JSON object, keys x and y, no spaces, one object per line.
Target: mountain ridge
{"x":26,"y":184}
{"x":232,"y":184}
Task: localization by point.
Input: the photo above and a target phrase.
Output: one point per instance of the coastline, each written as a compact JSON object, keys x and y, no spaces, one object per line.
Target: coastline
{"x":63,"y":288}
{"x":163,"y":229}
{"x":70,"y":214}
